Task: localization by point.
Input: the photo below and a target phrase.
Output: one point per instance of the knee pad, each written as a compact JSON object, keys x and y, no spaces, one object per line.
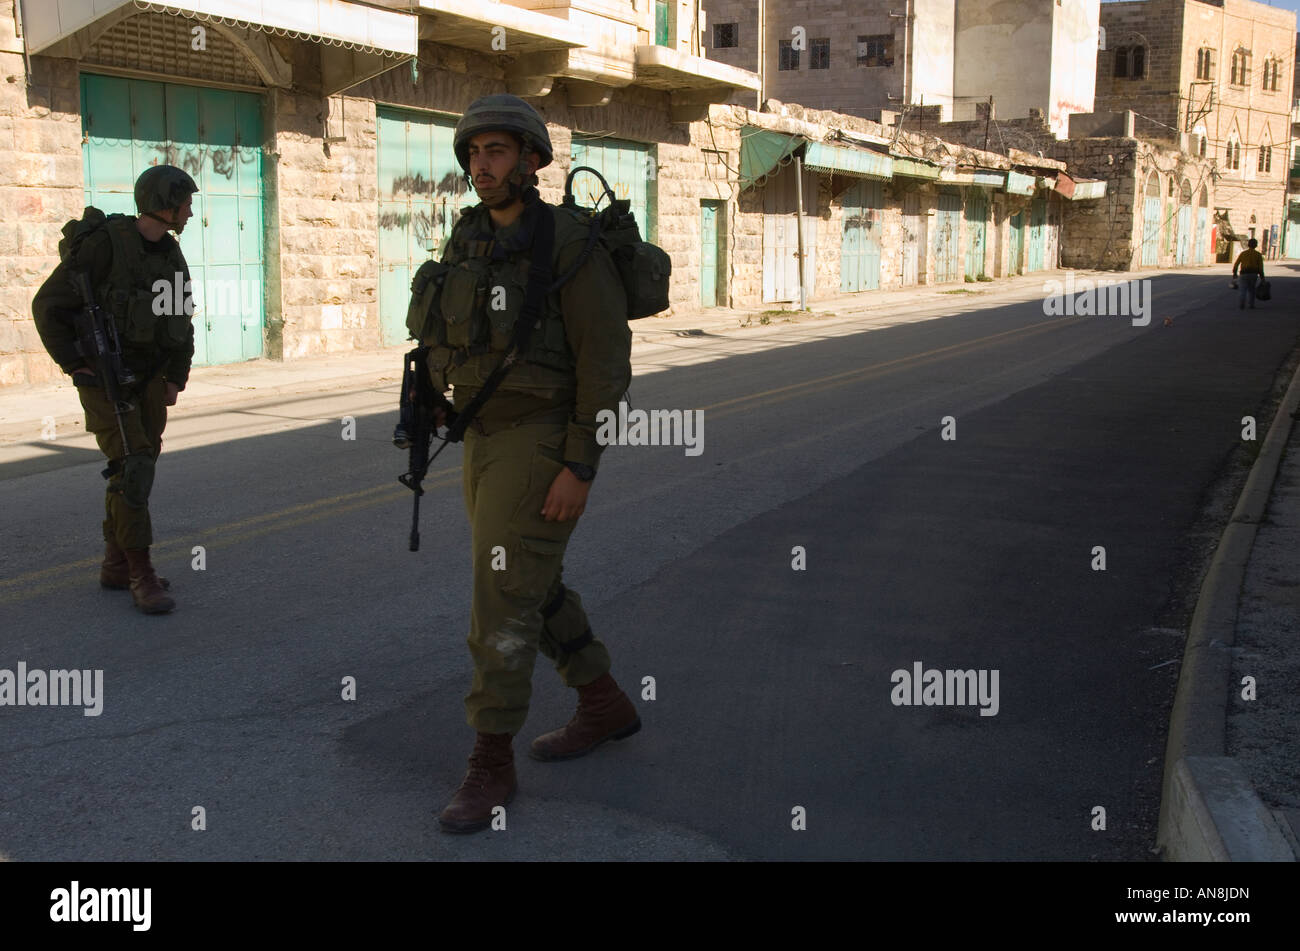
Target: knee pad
{"x":137,"y":480}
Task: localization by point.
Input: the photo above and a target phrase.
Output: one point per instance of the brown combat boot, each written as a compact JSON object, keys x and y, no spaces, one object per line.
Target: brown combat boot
{"x":115,"y":572}
{"x":604,"y":713}
{"x":489,"y":783}
{"x":146,"y":590}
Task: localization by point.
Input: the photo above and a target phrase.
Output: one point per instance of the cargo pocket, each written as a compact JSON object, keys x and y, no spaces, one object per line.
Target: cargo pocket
{"x":533,"y":565}
{"x":543,"y":467}
{"x":464,"y":296}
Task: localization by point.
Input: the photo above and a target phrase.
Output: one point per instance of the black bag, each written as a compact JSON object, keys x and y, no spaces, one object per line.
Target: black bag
{"x":1264,"y":291}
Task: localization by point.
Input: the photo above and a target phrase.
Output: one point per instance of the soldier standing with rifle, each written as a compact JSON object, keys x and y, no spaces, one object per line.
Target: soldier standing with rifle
{"x":105,"y":319}
{"x":531,"y":366}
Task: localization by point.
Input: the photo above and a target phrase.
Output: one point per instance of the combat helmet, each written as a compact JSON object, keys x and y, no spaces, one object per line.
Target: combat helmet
{"x":162,"y":187}
{"x":502,"y":112}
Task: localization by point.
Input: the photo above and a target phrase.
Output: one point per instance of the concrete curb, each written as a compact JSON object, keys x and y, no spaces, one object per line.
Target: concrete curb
{"x":1209,"y":811}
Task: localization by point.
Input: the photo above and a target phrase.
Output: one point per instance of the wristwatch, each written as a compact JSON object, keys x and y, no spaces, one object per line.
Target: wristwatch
{"x":584,"y":473}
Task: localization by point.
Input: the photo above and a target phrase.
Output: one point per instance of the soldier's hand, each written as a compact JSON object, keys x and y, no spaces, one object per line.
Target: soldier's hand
{"x":567,"y":498}
{"x":173,"y":391}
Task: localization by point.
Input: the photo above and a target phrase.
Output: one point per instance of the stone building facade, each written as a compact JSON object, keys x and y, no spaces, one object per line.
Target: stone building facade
{"x":1213,"y":77}
{"x":872,"y":57}
{"x":1157,"y":211}
{"x":327,"y":176}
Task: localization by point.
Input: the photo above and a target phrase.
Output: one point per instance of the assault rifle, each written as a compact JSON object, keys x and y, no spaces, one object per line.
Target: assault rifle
{"x":98,"y":344}
{"x":417,"y":425}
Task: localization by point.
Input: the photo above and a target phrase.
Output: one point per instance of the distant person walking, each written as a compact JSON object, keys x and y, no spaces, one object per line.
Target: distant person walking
{"x":1251,"y":264}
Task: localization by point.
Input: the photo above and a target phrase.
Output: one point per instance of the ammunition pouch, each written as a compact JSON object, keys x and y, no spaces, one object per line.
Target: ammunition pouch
{"x":424,"y":314}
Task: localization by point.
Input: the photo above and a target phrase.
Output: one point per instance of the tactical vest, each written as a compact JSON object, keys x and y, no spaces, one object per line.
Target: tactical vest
{"x":466,"y":305}
{"x":128,"y":291}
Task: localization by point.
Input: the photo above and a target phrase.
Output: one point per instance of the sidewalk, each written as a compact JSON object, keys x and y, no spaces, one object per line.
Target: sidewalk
{"x":1231,"y":784}
{"x":24,"y":408}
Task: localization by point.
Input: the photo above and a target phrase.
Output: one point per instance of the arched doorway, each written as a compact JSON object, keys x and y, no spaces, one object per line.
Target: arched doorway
{"x":1151,"y":222}
{"x":1183,"y":254}
{"x":1204,"y":250}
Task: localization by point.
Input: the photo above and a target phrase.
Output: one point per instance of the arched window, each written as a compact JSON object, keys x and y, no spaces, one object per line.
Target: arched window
{"x":1265,"y":163}
{"x":1153,"y":186}
{"x":1272,"y":74}
{"x":1240,"y":74}
{"x":1233,"y":158}
{"x":1205,"y":63}
{"x":1130,"y":62}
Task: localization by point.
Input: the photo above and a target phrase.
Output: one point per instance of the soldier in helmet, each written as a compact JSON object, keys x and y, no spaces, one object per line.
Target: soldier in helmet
{"x":531,"y":453}
{"x":125,"y":256}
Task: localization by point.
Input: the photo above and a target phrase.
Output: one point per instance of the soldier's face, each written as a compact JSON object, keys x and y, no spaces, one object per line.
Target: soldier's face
{"x":179,"y":216}
{"x":493,"y":157}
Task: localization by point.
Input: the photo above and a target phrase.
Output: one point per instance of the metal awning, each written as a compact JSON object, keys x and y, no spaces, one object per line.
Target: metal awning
{"x":1064,"y":185}
{"x":953,"y":176}
{"x":990,"y":178}
{"x":838,"y":159}
{"x":1019,"y":183}
{"x":1083,"y":191}
{"x":914,"y":168}
{"x":762,"y":152}
{"x":357,"y":41}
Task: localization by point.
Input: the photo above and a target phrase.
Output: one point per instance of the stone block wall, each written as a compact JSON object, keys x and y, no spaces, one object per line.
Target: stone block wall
{"x":40,"y":189}
{"x":1107,"y":234}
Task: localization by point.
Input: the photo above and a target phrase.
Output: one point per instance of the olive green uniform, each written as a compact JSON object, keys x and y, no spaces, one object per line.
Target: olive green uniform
{"x":157,"y":348}
{"x":544,"y":414}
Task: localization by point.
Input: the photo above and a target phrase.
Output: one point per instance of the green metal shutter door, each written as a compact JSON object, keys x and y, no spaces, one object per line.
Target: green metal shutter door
{"x":627,"y":167}
{"x":860,"y":241}
{"x":1037,"y":234}
{"x":1151,"y":232}
{"x":421,"y":193}
{"x":977,"y":210}
{"x":947,"y":221}
{"x":1184,"y":235}
{"x":216,"y":136}
{"x":709,"y":254}
{"x":1016,"y":243}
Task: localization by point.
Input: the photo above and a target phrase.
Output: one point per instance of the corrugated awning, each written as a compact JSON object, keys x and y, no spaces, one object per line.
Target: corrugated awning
{"x":762,"y":152}
{"x":1019,"y":183}
{"x":860,"y":163}
{"x":358,"y":41}
{"x":990,"y":178}
{"x":914,"y":168}
{"x":1064,"y":185}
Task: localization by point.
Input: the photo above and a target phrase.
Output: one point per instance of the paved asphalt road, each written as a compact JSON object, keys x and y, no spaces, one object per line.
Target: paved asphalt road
{"x":773,"y":685}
